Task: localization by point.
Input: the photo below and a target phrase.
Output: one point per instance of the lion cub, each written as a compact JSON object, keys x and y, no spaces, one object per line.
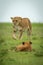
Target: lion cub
{"x":25,"y":46}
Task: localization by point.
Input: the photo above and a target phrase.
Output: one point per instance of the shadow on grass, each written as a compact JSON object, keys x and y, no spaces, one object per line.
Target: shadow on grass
{"x":2,"y":40}
{"x":34,"y":38}
{"x":3,"y":53}
{"x":41,"y":37}
{"x":39,"y":53}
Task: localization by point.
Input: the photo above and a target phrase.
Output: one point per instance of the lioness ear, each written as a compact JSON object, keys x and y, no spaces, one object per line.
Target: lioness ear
{"x":11,"y":17}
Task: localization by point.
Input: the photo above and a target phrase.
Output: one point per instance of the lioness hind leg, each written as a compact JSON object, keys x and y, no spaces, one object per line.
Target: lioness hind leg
{"x":29,"y":34}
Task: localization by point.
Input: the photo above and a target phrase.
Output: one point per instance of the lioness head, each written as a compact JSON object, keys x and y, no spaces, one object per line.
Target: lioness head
{"x":16,"y":20}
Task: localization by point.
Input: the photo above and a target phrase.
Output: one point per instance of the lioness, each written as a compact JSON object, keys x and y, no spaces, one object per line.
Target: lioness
{"x":21,"y":24}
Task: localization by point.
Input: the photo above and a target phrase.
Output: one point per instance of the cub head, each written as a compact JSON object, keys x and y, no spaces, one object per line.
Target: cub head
{"x":26,"y":42}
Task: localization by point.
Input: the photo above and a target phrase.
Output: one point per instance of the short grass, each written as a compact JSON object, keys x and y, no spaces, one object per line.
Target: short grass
{"x":21,"y":58}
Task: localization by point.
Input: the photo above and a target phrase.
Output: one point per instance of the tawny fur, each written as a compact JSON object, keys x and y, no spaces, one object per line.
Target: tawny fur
{"x":21,"y":24}
{"x":25,"y":46}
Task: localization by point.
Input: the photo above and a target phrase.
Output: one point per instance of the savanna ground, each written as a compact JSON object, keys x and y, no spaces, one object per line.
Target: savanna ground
{"x":10,"y":57}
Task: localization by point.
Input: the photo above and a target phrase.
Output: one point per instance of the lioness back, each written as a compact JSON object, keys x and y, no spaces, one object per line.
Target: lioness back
{"x":25,"y":23}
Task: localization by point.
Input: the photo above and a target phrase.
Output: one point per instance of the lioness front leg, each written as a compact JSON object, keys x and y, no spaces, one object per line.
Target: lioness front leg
{"x":20,"y":34}
{"x":14,"y":34}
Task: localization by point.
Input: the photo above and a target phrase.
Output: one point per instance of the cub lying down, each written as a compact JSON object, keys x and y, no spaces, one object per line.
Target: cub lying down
{"x":25,"y":46}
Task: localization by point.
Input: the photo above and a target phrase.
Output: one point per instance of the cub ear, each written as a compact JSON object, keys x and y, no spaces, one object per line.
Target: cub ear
{"x":23,"y":43}
{"x":30,"y":42}
{"x":11,"y":17}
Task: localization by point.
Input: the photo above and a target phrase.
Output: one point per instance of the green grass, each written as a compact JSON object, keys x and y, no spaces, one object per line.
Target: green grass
{"x":21,"y":58}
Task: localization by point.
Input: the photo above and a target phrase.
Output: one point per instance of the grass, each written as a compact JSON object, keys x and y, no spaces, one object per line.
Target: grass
{"x":21,"y":58}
